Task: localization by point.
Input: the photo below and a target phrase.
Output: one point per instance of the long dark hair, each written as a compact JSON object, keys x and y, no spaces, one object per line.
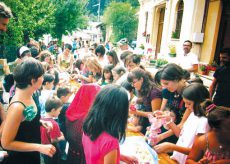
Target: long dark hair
{"x":113,"y":54}
{"x":218,"y":119}
{"x":148,"y":81}
{"x":197,"y":93}
{"x":106,"y":69}
{"x":108,"y":113}
{"x":173,"y":72}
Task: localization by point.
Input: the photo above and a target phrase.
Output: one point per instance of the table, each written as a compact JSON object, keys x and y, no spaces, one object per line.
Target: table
{"x":163,"y":158}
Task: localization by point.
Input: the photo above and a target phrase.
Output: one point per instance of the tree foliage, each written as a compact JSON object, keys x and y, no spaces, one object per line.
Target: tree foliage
{"x":105,"y":3}
{"x":34,"y":18}
{"x":123,"y":20}
{"x":69,"y":15}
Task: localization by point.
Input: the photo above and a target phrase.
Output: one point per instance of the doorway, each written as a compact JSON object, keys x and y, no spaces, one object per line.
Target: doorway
{"x":224,"y":30}
{"x":160,"y":30}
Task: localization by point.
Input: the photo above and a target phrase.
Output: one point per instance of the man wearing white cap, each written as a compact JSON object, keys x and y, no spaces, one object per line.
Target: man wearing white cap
{"x":22,"y":53}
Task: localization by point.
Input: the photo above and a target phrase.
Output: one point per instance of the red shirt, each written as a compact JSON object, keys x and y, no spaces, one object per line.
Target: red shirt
{"x":53,"y":134}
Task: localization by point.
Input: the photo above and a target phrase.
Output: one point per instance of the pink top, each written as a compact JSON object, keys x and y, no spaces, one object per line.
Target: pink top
{"x":96,"y":150}
{"x":213,"y":156}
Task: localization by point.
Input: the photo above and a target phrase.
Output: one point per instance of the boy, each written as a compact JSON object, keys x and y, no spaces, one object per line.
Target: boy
{"x":63,"y":93}
{"x":47,"y":91}
{"x":53,"y":107}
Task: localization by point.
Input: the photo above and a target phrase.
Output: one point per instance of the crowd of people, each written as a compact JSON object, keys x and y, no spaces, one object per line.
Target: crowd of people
{"x":115,"y":94}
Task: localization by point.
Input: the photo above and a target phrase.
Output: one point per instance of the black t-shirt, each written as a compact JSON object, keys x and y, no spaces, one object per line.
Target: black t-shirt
{"x":222,"y":96}
{"x":174,"y":104}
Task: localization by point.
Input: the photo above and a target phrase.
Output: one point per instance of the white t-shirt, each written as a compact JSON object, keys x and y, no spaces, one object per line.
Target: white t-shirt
{"x":187,"y":62}
{"x":193,"y":125}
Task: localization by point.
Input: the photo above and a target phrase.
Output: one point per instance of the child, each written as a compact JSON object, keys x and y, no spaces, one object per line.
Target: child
{"x":213,"y":147}
{"x":8,"y":82}
{"x":105,"y":126}
{"x":133,"y":120}
{"x":92,"y":71}
{"x":196,"y":124}
{"x":131,"y":90}
{"x":107,"y":76}
{"x":53,"y":107}
{"x":46,"y":92}
{"x":63,"y":94}
{"x":134,"y":123}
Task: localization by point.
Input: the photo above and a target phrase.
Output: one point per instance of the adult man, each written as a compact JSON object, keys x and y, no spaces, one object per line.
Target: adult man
{"x":123,"y":44}
{"x":188,"y":60}
{"x":221,"y":81}
{"x":5,"y":15}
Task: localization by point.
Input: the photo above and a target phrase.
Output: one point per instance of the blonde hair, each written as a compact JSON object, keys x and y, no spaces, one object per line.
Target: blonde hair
{"x":93,"y":64}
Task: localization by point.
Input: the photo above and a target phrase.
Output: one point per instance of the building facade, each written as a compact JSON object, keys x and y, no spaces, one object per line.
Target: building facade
{"x":170,"y":22}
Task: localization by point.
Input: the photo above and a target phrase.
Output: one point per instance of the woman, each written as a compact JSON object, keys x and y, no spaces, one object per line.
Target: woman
{"x":65,"y":60}
{"x":46,"y":58}
{"x":21,"y":132}
{"x":75,"y":115}
{"x":173,"y":80}
{"x":133,"y":61}
{"x":148,"y":91}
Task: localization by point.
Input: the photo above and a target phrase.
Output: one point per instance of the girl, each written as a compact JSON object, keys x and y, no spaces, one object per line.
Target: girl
{"x":94,"y":71}
{"x":105,"y":126}
{"x":196,"y":123}
{"x":112,"y":58}
{"x":213,"y":147}
{"x":107,"y":76}
{"x":21,"y":132}
{"x":100,"y":53}
{"x":147,"y":90}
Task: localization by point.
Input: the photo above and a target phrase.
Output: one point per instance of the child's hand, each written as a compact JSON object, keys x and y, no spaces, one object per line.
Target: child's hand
{"x":129,"y":159}
{"x":164,"y":147}
{"x":165,"y":116}
{"x":132,"y":107}
{"x":49,"y":150}
{"x":47,"y":124}
{"x":203,"y":161}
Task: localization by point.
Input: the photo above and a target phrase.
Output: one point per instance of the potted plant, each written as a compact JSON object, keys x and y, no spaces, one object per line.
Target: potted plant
{"x":172,"y":50}
{"x":203,"y":69}
{"x":175,"y":35}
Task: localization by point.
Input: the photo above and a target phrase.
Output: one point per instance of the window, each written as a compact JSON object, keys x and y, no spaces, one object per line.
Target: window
{"x":180,"y":10}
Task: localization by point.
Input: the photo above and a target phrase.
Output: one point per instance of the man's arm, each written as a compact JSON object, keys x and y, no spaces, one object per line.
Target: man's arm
{"x":212,"y":87}
{"x":194,"y":68}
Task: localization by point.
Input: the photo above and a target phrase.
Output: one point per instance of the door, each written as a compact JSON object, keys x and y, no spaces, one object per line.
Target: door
{"x":160,"y":30}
